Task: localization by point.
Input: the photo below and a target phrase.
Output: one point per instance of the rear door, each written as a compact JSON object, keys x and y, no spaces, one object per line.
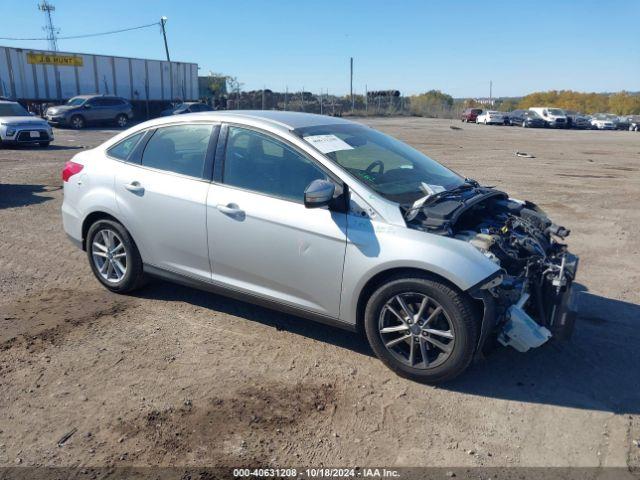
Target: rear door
{"x":162,"y":197}
{"x":263,"y":240}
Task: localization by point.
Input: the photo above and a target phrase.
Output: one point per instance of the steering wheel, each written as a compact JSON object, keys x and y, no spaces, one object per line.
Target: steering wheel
{"x":374,"y":164}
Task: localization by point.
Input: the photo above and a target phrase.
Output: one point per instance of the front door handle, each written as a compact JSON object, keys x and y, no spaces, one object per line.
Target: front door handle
{"x":230,"y":209}
{"x":134,"y":187}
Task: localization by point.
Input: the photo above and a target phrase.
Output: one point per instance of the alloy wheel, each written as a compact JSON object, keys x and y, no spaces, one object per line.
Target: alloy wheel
{"x":77,"y":122}
{"x":109,"y":255}
{"x":122,"y":121}
{"x":416,"y":330}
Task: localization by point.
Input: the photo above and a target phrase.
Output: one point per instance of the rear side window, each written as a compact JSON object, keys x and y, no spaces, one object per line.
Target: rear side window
{"x":180,"y":149}
{"x":112,"y":102}
{"x":123,"y":149}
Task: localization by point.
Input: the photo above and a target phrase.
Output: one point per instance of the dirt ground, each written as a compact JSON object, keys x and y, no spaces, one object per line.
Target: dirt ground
{"x":174,"y":376}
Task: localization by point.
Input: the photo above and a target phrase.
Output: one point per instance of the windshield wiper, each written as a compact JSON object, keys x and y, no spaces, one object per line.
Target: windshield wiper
{"x":413,"y":210}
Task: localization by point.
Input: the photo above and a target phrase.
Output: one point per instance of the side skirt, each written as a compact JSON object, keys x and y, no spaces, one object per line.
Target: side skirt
{"x":226,"y":291}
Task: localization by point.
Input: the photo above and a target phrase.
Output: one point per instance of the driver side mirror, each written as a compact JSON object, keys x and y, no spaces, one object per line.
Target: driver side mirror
{"x":319,"y":193}
{"x":87,"y":105}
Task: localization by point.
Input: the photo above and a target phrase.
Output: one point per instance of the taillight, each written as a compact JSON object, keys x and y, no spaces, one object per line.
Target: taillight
{"x":70,"y":169}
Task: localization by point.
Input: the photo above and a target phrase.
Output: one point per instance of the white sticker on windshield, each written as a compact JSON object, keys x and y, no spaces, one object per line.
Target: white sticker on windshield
{"x":328,"y":143}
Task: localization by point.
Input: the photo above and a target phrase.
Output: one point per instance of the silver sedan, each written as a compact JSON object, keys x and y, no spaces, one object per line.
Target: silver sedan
{"x":327,"y":219}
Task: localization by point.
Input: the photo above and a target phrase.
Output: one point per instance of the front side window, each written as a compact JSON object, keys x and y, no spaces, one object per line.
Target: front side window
{"x":76,"y":101}
{"x":260,"y":163}
{"x":392,"y":168}
{"x":123,"y":149}
{"x":180,"y":149}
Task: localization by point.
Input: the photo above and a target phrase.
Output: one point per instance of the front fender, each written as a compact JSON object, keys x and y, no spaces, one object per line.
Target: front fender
{"x":375,"y":247}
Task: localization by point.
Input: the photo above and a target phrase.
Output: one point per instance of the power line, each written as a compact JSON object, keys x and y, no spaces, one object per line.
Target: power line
{"x":87,"y":35}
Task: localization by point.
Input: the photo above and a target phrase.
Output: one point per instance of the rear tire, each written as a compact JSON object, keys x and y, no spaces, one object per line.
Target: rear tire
{"x":114,"y":257}
{"x":455,"y":318}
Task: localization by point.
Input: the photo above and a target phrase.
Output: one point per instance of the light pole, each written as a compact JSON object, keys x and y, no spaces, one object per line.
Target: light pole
{"x":163,"y":21}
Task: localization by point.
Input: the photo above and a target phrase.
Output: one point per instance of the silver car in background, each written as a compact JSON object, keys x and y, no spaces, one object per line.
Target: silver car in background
{"x":19,"y":127}
{"x":327,"y":219}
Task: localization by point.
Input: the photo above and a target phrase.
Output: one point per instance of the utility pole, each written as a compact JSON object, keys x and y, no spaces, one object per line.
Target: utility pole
{"x":302,"y":98}
{"x":47,"y":8}
{"x":366,"y":98}
{"x":490,"y":92}
{"x":263,"y":97}
{"x":351,"y":83}
{"x":286,"y":96}
{"x":163,"y":22}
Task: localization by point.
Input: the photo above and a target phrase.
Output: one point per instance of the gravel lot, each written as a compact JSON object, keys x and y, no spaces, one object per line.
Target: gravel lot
{"x":174,"y":376}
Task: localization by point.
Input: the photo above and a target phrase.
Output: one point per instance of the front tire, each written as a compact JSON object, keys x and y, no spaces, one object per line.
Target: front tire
{"x":44,"y":144}
{"x":114,"y":257}
{"x":77,"y":122}
{"x":122,"y":121}
{"x":421,"y":328}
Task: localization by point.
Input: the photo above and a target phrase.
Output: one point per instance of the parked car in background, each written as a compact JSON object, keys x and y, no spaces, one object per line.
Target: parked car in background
{"x":490,"y":117}
{"x":622,"y":122}
{"x":634,"y":123}
{"x":85,"y":110}
{"x":577,"y":120}
{"x":187,"y":107}
{"x":506,"y":118}
{"x":603,"y":121}
{"x":18,"y":126}
{"x":526,"y":118}
{"x":553,"y":117}
{"x":328,"y":219}
{"x":470,"y":114}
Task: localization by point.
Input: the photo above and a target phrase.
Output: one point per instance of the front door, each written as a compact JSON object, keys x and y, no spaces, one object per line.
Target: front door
{"x":163,"y":199}
{"x":262,"y":238}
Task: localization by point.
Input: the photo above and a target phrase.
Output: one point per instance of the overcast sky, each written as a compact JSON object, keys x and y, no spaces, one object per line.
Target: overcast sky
{"x":412,"y":46}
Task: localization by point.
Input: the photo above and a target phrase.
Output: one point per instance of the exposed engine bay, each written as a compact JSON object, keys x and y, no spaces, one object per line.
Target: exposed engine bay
{"x":533,"y":295}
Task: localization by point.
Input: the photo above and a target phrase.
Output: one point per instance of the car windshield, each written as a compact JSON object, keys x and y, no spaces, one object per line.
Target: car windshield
{"x":12,"y":110}
{"x":391,"y":168}
{"x":531,"y":114}
{"x":75,"y":101}
{"x":555,"y":111}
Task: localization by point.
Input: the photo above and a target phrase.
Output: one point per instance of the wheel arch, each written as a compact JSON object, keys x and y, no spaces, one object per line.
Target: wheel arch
{"x":402,"y":272}
{"x":92,"y":218}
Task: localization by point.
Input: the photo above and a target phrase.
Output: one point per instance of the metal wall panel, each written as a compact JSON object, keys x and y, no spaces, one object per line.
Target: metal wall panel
{"x":86,"y":77}
{"x":5,"y":80}
{"x":139,"y":79}
{"x":123,"y":83}
{"x":155,"y":87}
{"x":105,"y":75}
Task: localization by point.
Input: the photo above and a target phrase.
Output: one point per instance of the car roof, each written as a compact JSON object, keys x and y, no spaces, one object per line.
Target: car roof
{"x":276,"y":118}
{"x":7,"y":101}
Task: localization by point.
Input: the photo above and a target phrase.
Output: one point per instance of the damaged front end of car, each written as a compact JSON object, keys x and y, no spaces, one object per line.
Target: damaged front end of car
{"x":530,"y":299}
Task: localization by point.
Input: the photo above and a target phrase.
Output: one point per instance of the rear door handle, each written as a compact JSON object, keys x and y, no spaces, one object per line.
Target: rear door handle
{"x":134,"y":187}
{"x":230,"y":209}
